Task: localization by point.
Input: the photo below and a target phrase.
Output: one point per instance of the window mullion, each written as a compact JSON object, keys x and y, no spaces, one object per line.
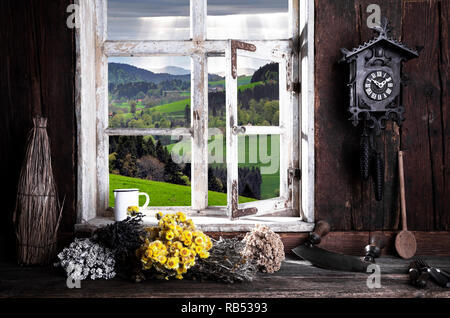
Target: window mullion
{"x":86,"y":119}
{"x":198,"y":20}
{"x":294,"y":19}
{"x":199,"y":109}
{"x":102,"y":107}
{"x":231,"y":138}
{"x":293,"y":70}
{"x":285,"y":109}
{"x":199,"y":116}
{"x":149,"y":131}
{"x":306,"y":72}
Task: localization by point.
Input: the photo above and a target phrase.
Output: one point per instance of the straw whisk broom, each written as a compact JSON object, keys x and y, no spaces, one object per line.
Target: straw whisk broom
{"x":38,"y":212}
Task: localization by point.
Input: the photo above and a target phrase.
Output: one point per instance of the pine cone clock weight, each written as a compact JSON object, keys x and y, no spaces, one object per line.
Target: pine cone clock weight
{"x":364,"y":158}
{"x":378,"y":175}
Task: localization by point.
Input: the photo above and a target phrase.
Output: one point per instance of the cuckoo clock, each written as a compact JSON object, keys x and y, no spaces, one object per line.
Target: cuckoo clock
{"x":376,"y":94}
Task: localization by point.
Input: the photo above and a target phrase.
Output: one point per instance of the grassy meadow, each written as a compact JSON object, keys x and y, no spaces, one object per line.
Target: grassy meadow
{"x":164,"y":194}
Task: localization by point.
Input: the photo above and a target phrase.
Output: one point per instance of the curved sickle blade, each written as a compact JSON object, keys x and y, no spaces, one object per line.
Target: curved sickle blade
{"x":329,"y":260}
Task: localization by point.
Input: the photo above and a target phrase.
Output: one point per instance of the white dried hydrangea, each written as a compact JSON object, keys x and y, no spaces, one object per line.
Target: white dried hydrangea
{"x":85,"y":259}
{"x":265,"y":248}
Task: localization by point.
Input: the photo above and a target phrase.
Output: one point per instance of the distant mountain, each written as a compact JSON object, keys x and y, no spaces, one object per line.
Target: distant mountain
{"x":119,"y":73}
{"x":241,"y":72}
{"x":174,"y":70}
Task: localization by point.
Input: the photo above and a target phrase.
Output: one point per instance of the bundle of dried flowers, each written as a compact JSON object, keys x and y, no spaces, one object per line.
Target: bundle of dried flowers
{"x":174,"y":246}
{"x":225,"y":263}
{"x":123,"y":238}
{"x":265,"y":248}
{"x":85,"y":259}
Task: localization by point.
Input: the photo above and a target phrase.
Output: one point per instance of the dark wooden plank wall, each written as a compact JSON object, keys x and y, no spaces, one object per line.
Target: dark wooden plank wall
{"x":36,"y":77}
{"x":342,"y":197}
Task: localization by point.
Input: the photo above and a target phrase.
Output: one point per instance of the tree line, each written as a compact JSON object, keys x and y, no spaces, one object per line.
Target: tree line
{"x":249,"y":181}
{"x":139,"y":157}
{"x":148,"y":158}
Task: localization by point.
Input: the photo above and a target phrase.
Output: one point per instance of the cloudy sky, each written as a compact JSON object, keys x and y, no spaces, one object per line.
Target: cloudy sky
{"x":169,"y":20}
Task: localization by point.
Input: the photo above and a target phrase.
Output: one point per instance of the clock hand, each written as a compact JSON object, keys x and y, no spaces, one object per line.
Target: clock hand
{"x":377,"y":83}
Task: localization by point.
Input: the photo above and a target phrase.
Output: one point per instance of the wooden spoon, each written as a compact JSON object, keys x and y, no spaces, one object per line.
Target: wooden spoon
{"x":405,"y":242}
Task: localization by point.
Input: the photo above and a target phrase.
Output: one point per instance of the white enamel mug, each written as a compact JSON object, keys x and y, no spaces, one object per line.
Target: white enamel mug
{"x":124,"y":198}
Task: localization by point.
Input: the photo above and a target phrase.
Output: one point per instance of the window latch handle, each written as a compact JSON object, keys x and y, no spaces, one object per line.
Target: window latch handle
{"x":238,"y":130}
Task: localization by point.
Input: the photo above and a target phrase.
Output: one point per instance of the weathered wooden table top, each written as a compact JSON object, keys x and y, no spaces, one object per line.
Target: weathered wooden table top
{"x":296,"y":278}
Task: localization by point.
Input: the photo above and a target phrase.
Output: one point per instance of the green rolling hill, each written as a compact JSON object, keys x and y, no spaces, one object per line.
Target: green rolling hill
{"x":164,"y":194}
{"x":174,"y":107}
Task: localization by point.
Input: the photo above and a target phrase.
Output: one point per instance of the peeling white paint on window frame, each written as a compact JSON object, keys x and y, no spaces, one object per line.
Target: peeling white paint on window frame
{"x":296,"y":110}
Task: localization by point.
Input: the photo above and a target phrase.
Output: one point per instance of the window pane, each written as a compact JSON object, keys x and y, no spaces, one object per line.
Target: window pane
{"x":258,"y":92}
{"x":148,"y":20}
{"x":152,"y":164}
{"x":149,"y":92}
{"x":216,"y":92}
{"x":248,"y":19}
{"x":217,"y":167}
{"x":259,"y":166}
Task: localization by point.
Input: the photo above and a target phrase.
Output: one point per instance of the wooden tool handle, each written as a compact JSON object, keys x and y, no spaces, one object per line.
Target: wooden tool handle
{"x":402,"y":190}
{"x":321,"y":229}
{"x":373,"y":250}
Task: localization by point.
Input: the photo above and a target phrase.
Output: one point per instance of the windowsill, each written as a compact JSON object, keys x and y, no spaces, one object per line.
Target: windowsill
{"x":218,"y":223}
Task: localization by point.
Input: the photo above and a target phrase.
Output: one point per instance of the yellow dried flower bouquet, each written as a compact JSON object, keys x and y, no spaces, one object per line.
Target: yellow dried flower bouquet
{"x":173,"y":246}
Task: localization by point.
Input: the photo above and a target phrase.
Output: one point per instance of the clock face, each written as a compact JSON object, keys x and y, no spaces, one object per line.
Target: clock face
{"x":378,"y":85}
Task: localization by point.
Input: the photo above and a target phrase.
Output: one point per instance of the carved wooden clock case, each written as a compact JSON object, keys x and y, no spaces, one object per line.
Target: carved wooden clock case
{"x":375,"y":84}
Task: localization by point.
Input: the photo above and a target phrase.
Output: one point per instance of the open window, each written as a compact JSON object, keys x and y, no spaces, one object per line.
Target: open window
{"x":257,"y":144}
{"x":251,"y":113}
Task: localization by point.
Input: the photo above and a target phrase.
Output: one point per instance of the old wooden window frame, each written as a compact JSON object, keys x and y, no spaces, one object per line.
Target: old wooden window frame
{"x":297,"y":122}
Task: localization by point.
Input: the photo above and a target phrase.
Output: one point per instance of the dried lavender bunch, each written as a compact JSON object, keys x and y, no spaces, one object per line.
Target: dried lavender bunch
{"x":85,"y":259}
{"x":122,"y":237}
{"x":225,"y":263}
{"x":265,"y":248}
